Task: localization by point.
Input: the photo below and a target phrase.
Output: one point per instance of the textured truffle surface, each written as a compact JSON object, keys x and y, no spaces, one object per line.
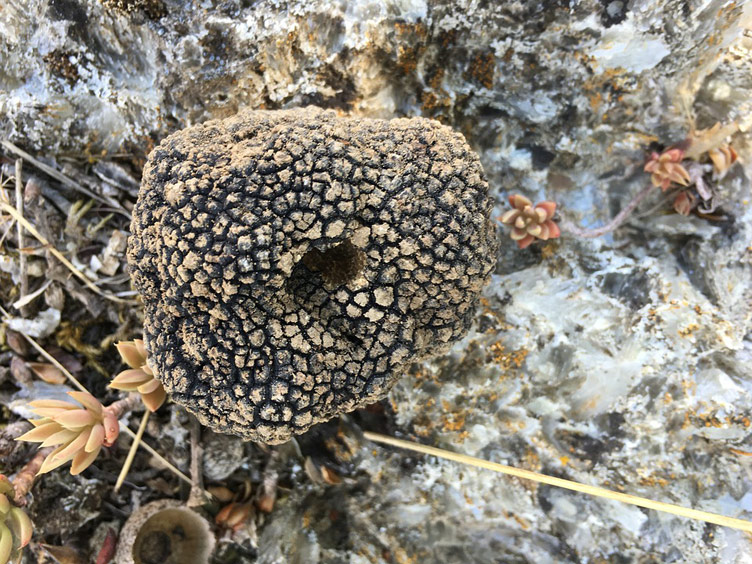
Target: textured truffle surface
{"x":293,"y":263}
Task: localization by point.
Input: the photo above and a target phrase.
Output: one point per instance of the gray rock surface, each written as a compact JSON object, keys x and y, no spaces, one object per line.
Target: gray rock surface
{"x":622,"y":361}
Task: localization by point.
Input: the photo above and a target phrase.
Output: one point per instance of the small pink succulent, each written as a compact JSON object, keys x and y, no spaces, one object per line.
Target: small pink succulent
{"x":140,"y":377}
{"x":666,"y":168}
{"x":530,"y":222}
{"x":78,"y":432}
{"x":684,"y":202}
{"x":723,"y":157}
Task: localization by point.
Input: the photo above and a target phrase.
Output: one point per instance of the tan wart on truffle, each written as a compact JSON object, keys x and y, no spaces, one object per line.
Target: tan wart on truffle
{"x":293,"y":263}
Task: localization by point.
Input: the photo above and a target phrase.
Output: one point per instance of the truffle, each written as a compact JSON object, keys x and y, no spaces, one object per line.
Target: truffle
{"x":293,"y":263}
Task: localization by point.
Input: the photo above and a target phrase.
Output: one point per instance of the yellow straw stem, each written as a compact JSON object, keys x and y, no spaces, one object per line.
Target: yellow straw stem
{"x":132,"y":452}
{"x":161,"y":459}
{"x":51,"y":359}
{"x":678,"y":510}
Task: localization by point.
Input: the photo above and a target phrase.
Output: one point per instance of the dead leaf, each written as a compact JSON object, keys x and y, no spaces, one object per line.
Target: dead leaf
{"x":16,"y":342}
{"x":20,"y":371}
{"x":64,"y":554}
{"x":48,"y":372}
{"x":109,"y":545}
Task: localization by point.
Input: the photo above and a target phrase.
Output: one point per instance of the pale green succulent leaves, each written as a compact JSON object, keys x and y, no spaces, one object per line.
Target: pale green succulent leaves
{"x":15,"y":525}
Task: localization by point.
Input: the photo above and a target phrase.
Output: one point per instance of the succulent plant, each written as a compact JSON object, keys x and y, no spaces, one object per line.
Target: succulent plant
{"x":139,"y":378}
{"x":684,"y":202}
{"x":723,"y":157}
{"x":15,"y":525}
{"x":78,"y":432}
{"x":666,"y":168}
{"x":530,"y":222}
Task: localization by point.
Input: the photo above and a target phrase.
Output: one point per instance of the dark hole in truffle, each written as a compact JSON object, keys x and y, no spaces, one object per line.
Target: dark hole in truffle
{"x":155,"y":548}
{"x":357,"y":341}
{"x":337,"y":265}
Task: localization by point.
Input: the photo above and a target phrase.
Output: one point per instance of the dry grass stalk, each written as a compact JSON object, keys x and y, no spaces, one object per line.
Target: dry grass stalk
{"x":21,"y":255}
{"x":132,"y":452}
{"x":76,"y":272}
{"x":596,"y":491}
{"x":60,"y":177}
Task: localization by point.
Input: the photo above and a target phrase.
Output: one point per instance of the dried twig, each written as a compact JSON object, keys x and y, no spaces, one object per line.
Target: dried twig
{"x":51,"y":359}
{"x":567,"y":484}
{"x":21,"y":254}
{"x":162,"y":460}
{"x":196,"y":496}
{"x":60,"y":256}
{"x":120,"y":407}
{"x":616,"y":222}
{"x":60,"y":177}
{"x":23,"y":481}
{"x":21,"y":303}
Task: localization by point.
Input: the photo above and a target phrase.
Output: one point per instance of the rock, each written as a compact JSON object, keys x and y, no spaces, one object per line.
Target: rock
{"x":620,"y":361}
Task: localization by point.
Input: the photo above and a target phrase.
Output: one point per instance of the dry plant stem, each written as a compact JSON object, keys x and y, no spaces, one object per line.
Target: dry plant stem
{"x":120,"y":407}
{"x":60,"y":177}
{"x":76,"y":272}
{"x":132,"y":452}
{"x":51,"y":359}
{"x":25,"y":478}
{"x":21,"y":254}
{"x":161,"y":459}
{"x":616,"y":222}
{"x":567,"y":484}
{"x":196,"y":496}
{"x":22,"y":303}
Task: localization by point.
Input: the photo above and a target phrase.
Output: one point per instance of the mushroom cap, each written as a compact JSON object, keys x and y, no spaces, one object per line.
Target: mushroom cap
{"x":294,"y":263}
{"x":165,"y":532}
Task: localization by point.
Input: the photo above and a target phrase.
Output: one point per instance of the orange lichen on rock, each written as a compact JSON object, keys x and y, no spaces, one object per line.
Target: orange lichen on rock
{"x":482,"y":69}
